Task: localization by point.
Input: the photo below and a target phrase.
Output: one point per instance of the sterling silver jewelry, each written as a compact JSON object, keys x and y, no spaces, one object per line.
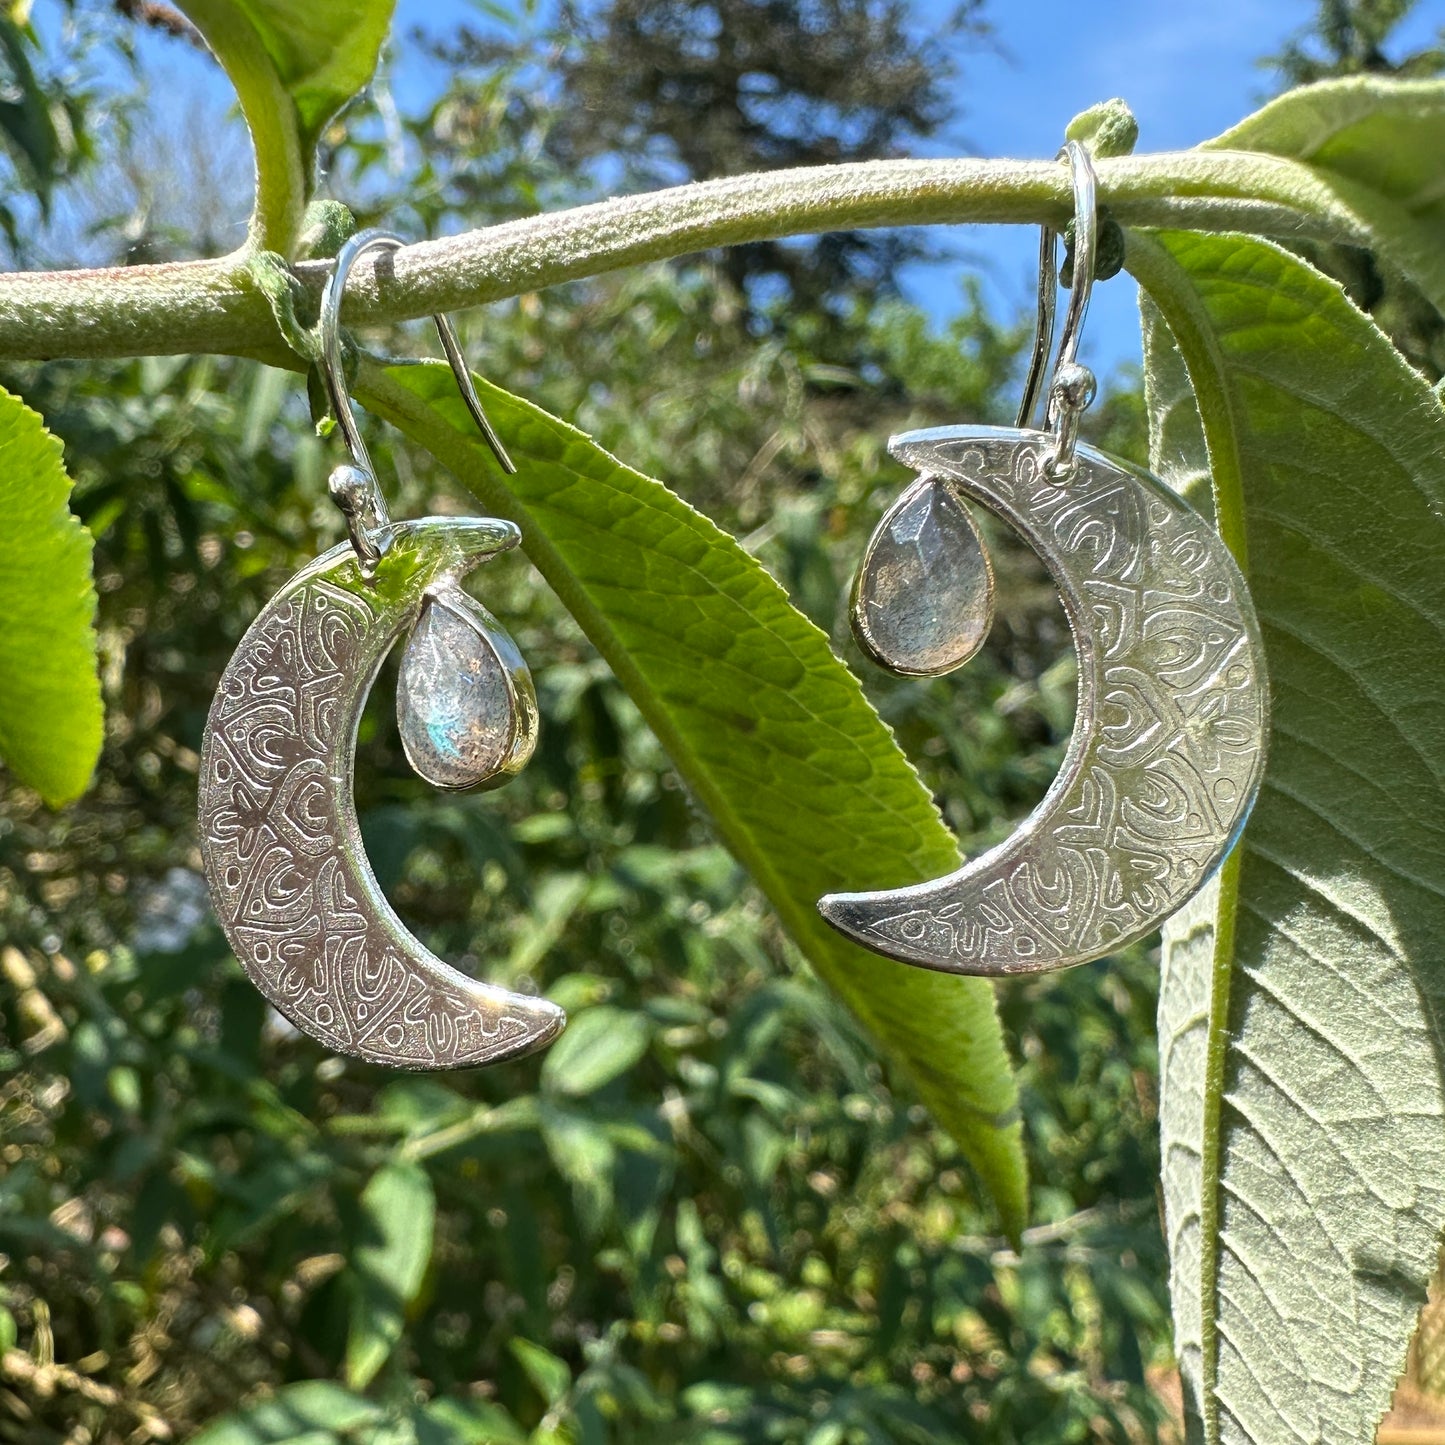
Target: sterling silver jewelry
{"x":1168,"y":746}
{"x":284,"y":859}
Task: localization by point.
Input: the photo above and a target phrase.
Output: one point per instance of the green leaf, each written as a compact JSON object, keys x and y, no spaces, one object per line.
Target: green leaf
{"x":50,"y":709}
{"x":25,"y":115}
{"x":1302,"y":1092}
{"x":1373,"y":145}
{"x":398,"y":1211}
{"x":548,"y":1374}
{"x":585,"y":1157}
{"x":467,"y":1422}
{"x":294,"y":66}
{"x":294,"y":1412}
{"x":599,"y":1044}
{"x":771,"y":732}
{"x":1387,"y":134}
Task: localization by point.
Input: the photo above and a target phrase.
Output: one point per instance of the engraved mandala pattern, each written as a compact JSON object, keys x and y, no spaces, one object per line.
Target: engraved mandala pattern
{"x":283,"y":854}
{"x":1168,"y":743}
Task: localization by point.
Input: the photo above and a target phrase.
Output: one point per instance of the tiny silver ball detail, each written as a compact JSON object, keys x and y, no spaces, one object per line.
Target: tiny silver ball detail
{"x":1073,"y":386}
{"x":350,"y":488}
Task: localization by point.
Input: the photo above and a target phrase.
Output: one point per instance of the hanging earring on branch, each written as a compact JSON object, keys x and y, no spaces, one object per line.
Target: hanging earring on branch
{"x":1169,"y":738}
{"x":283,"y":854}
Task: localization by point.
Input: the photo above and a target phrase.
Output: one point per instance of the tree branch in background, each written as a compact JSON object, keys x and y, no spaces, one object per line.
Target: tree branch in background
{"x":155,"y":16}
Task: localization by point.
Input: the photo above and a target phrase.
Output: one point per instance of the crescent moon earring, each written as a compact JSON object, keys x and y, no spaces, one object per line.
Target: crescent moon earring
{"x":1168,"y":745}
{"x":283,"y":853}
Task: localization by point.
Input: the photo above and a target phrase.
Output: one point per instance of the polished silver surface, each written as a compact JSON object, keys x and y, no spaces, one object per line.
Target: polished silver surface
{"x":1169,"y":737}
{"x":1070,"y":389}
{"x":1086,"y":235}
{"x":283,"y":855}
{"x":1048,"y":287}
{"x":923,"y":596}
{"x":464,"y":700}
{"x":355,"y":488}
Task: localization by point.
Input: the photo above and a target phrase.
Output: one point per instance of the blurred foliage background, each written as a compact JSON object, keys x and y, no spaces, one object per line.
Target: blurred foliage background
{"x":707,"y":1215}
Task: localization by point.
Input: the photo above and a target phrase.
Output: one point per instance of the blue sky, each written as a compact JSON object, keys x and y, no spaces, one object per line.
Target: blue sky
{"x":1187,"y":70}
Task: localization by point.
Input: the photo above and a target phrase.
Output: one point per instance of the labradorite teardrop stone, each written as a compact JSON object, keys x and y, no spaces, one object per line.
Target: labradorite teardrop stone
{"x":464,"y":700}
{"x":923,"y":597}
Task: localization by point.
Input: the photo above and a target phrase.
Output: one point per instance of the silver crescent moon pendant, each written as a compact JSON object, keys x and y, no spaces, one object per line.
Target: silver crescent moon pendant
{"x":1169,"y":735}
{"x":283,"y":854}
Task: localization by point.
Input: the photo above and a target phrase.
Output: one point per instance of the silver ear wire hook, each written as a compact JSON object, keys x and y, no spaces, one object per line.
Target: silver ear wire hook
{"x":1071,"y":386}
{"x":355,"y":488}
{"x":1043,"y":326}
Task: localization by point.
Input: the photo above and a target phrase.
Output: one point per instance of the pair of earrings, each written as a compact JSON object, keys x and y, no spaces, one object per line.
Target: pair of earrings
{"x":1163,"y":765}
